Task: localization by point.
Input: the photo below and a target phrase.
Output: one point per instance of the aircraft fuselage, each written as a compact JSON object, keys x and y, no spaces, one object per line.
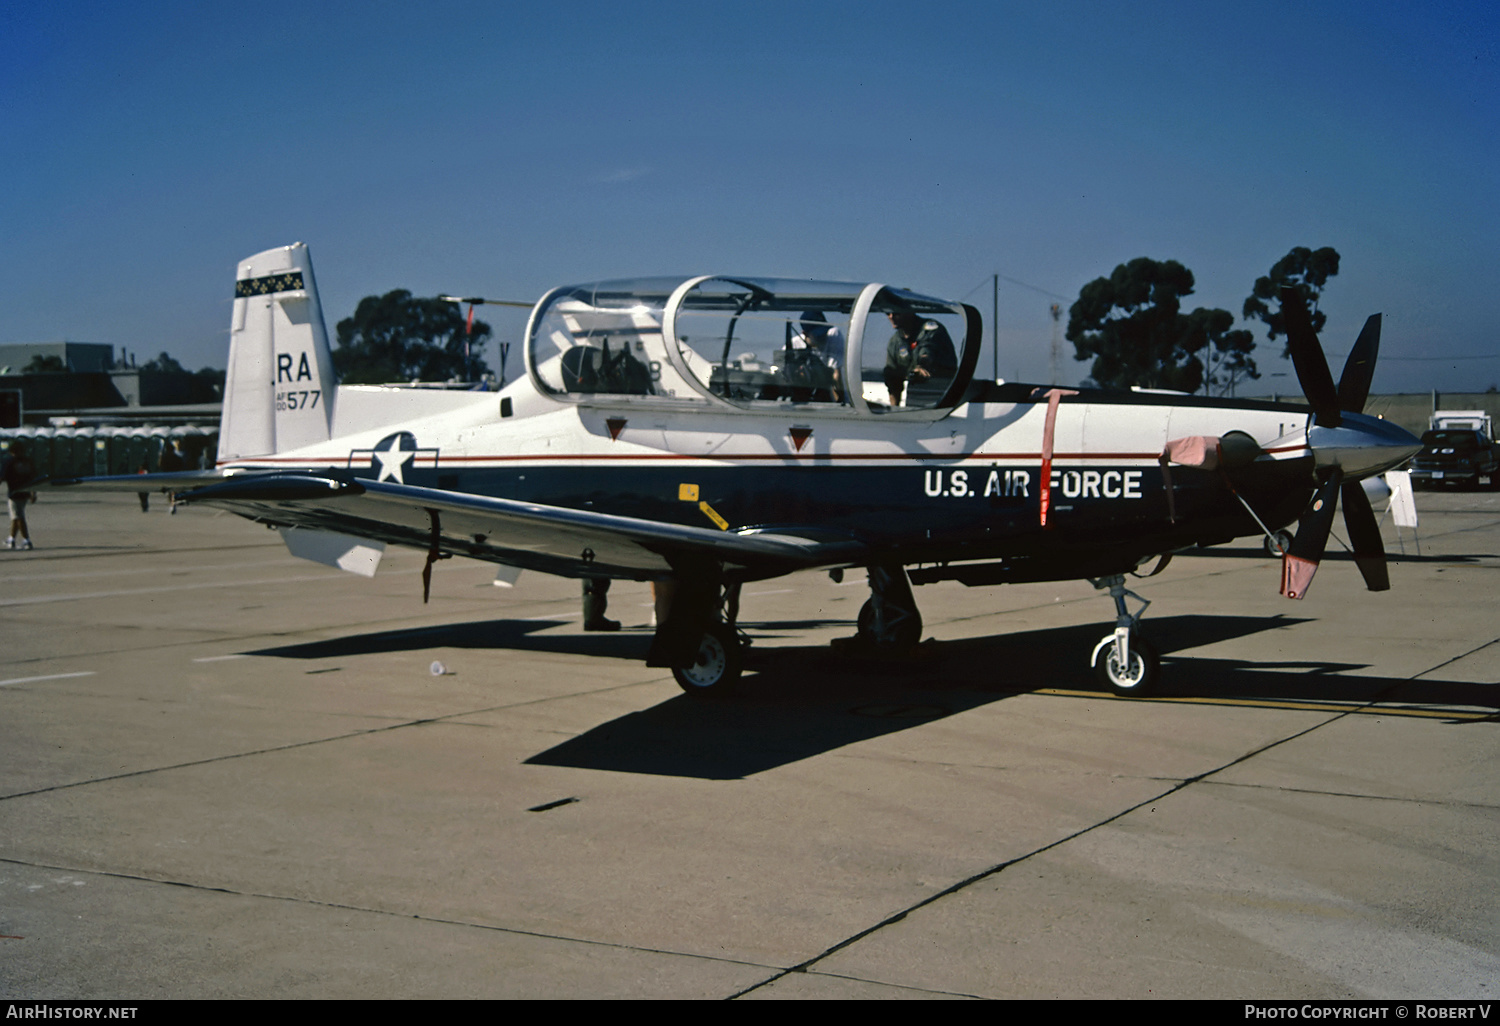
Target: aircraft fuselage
{"x":965,"y":486}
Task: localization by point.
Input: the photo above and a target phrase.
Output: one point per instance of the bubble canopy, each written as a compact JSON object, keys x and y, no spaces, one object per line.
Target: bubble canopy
{"x":752,"y":343}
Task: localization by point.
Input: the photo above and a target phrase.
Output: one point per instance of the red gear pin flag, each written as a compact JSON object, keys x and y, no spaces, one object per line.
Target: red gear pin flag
{"x":1054,"y":396}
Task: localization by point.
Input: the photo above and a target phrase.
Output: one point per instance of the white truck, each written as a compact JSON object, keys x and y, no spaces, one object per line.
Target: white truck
{"x":1462,"y":420}
{"x":1458,"y":449}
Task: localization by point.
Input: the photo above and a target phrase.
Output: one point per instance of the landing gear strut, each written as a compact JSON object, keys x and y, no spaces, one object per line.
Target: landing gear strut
{"x":1125,"y":661}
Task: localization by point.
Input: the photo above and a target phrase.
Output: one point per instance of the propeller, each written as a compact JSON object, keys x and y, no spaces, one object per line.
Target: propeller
{"x":1329,"y":404}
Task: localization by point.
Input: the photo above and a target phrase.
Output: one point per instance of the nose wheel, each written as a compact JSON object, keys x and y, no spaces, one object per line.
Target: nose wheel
{"x":1128,"y":665}
{"x":1124,"y":661}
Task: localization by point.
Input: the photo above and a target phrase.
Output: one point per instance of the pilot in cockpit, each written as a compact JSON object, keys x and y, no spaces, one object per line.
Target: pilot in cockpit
{"x":814,"y":359}
{"x":920,"y":354}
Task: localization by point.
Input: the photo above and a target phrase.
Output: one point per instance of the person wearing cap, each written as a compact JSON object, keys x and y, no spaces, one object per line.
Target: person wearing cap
{"x":822,"y":348}
{"x":920,"y":350}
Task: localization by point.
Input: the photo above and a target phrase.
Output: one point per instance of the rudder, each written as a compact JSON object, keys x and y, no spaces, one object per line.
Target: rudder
{"x":279,"y":387}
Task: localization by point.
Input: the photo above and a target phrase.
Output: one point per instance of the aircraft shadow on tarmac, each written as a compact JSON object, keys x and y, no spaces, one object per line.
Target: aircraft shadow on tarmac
{"x":478,"y":634}
{"x":800,"y":701}
{"x":797,"y":702}
{"x":510,"y":634}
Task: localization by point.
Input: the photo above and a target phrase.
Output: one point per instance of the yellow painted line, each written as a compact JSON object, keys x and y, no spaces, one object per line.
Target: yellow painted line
{"x":1267,"y":703}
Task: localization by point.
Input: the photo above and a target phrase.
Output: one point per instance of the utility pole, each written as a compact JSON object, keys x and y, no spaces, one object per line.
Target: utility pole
{"x":1056,"y":343}
{"x":995,"y":328}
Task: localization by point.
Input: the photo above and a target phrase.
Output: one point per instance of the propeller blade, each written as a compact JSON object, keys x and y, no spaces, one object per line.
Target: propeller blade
{"x":1307,"y":357}
{"x":1364,"y":535}
{"x":1354,"y":383}
{"x":1302,"y":559}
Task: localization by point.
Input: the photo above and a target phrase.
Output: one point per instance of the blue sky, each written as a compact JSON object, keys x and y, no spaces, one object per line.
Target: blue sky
{"x":501,"y":149}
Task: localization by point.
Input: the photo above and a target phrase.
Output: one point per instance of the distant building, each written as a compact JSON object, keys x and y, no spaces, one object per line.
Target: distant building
{"x":96,"y":389}
{"x":78,"y":357}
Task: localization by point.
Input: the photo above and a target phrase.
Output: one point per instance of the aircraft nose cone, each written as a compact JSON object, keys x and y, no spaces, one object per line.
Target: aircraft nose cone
{"x":1362,"y":445}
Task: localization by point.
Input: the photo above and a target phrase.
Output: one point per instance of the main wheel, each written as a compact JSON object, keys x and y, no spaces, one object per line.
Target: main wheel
{"x":1278,"y":544}
{"x":908,"y":630}
{"x":1139,"y":677}
{"x":717,"y":667}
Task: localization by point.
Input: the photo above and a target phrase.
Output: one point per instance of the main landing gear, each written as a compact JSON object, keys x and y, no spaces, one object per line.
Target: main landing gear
{"x":889,"y":620}
{"x":719,"y":660}
{"x":718,"y":663}
{"x":889,"y":626}
{"x":1125,"y":661}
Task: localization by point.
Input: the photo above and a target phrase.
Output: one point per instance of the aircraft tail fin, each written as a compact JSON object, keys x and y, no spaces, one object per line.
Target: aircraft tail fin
{"x":279,"y":389}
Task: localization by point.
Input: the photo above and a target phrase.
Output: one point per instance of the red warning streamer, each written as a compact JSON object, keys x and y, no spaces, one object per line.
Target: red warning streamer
{"x":1054,"y":396}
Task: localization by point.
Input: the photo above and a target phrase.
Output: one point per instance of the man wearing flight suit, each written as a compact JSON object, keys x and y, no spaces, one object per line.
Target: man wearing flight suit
{"x":919,"y":351}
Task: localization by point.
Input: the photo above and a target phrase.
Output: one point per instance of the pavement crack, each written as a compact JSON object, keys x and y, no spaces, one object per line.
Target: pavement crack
{"x":1354,"y":794}
{"x":995,"y":870}
{"x":370,"y":910}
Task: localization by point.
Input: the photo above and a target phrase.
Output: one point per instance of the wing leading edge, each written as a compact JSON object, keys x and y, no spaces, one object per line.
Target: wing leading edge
{"x":160,"y":481}
{"x":550,"y":539}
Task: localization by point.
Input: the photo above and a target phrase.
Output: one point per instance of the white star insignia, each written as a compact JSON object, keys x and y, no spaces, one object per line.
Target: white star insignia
{"x":392,"y":462}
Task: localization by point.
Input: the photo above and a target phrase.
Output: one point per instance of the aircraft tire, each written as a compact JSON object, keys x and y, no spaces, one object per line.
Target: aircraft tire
{"x":908,"y":631}
{"x":1278,"y":544}
{"x":1143,"y":674}
{"x":717,"y":669}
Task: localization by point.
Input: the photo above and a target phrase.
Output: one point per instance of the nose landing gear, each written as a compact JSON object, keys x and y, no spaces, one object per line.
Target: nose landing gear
{"x":1125,"y":661}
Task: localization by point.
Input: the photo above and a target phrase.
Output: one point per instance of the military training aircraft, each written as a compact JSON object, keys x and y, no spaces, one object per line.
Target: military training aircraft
{"x":704,"y":432}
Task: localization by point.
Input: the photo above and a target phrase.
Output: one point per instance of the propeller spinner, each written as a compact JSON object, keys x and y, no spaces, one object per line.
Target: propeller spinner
{"x":1346,"y":445}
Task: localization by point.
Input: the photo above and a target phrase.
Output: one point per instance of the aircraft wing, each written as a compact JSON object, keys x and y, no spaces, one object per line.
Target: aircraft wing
{"x":175,"y":480}
{"x":551,"y":539}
